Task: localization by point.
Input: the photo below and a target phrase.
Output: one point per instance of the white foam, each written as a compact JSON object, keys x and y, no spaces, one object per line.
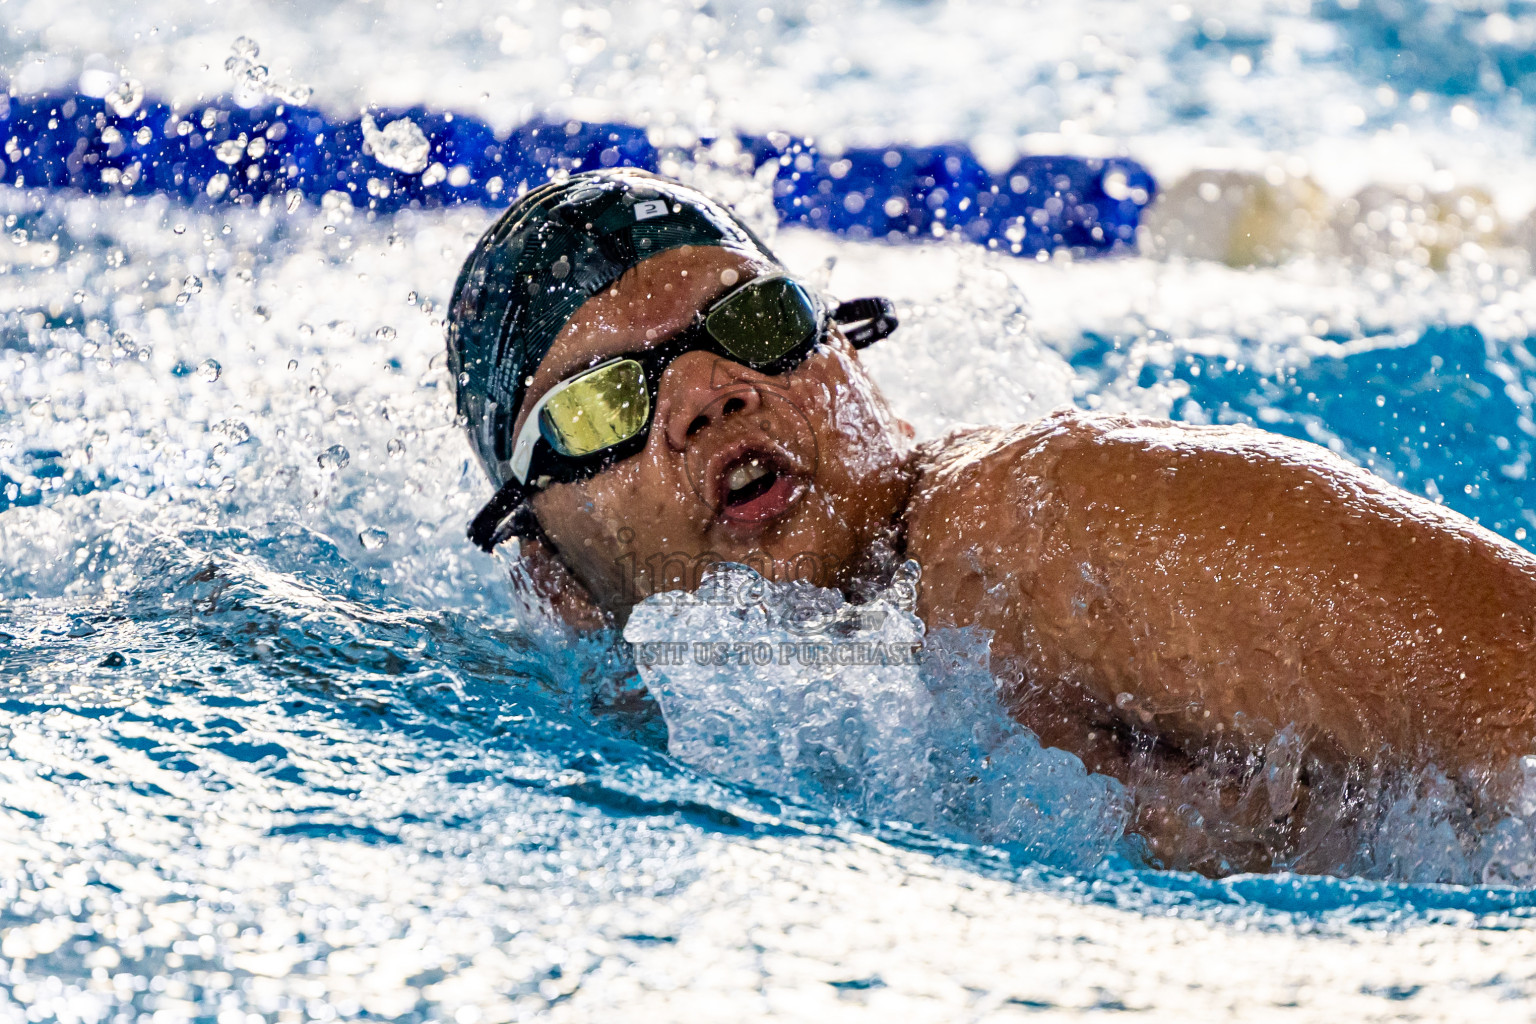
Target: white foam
{"x":856,"y":708}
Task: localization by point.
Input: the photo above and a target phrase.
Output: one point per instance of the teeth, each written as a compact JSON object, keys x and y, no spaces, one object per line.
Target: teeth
{"x":743,"y":475}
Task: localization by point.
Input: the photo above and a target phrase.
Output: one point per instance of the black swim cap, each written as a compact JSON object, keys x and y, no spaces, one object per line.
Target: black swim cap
{"x":557,"y":246}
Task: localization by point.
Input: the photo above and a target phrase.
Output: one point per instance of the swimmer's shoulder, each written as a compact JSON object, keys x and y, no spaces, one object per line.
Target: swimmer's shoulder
{"x":981,"y":483}
{"x":1079,"y":467}
{"x":989,"y":481}
{"x":972,"y":456}
{"x":1043,"y":448}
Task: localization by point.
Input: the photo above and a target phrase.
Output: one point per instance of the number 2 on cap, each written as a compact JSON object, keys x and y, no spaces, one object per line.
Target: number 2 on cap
{"x":650,"y":208}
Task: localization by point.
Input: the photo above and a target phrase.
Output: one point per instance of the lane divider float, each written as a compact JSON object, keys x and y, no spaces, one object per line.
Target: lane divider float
{"x":221,"y":152}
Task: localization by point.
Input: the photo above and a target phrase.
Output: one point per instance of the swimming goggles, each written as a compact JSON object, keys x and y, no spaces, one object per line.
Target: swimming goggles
{"x":603,"y":414}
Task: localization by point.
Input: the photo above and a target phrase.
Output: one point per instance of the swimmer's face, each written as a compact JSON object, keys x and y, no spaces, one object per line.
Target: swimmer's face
{"x":795,"y":474}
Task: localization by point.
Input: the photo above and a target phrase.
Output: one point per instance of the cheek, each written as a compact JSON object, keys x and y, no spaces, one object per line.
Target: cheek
{"x":858,"y":479}
{"x":862,"y":442}
{"x":635,"y":509}
{"x":656,"y":496}
{"x":570,"y":519}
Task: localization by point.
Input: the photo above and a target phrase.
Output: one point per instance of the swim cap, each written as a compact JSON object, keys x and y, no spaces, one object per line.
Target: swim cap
{"x":557,"y":246}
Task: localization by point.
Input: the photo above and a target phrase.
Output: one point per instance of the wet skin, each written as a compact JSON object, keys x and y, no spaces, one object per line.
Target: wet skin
{"x":1208,"y":587}
{"x":657,"y":520}
{"x":1165,"y":601}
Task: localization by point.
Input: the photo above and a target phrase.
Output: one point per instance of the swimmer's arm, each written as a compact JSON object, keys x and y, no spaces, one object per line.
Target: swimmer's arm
{"x":1190,"y":816}
{"x":1213,"y":585}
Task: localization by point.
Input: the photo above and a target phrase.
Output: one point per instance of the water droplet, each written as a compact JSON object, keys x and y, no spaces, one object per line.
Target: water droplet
{"x":334,"y":457}
{"x":125,"y":97}
{"x":1116,"y":184}
{"x":113,"y":660}
{"x":246,"y":47}
{"x":411,"y":298}
{"x":230,"y":150}
{"x":400,"y":146}
{"x":385,"y":333}
{"x":293,"y":364}
{"x":396,"y":448}
{"x":217,"y":185}
{"x":189,"y":287}
{"x":234,"y":430}
{"x":210,"y":370}
{"x":373,"y":538}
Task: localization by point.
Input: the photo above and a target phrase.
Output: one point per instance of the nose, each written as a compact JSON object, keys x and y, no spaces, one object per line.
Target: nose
{"x":700,"y":389}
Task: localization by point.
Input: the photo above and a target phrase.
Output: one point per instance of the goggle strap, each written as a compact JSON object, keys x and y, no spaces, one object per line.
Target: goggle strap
{"x":866,"y":321}
{"x":506,"y":515}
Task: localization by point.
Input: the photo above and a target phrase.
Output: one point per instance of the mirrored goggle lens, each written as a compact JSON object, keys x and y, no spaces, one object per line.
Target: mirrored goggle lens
{"x":597,"y":410}
{"x":765,"y":321}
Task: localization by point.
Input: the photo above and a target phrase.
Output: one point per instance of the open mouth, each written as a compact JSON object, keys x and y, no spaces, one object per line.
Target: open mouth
{"x":757,"y":487}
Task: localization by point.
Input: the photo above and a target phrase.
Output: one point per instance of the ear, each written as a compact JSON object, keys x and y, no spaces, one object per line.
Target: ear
{"x":555,"y":584}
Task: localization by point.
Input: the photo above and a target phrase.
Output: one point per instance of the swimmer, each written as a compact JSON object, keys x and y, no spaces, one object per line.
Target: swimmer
{"x":1245,"y":629}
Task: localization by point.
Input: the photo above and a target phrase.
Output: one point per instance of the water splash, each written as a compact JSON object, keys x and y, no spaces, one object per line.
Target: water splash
{"x":254,"y":82}
{"x":400,"y":146}
{"x":125,"y":97}
{"x":334,"y":779}
{"x":856,"y":708}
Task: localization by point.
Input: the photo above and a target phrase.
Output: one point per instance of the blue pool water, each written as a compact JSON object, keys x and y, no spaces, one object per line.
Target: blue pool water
{"x":279,"y":742}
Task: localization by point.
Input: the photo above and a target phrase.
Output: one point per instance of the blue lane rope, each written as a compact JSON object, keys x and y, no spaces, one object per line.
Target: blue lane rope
{"x":219,"y":152}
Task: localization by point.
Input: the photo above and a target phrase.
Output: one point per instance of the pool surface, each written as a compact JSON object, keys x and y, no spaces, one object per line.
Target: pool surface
{"x":280,"y":745}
